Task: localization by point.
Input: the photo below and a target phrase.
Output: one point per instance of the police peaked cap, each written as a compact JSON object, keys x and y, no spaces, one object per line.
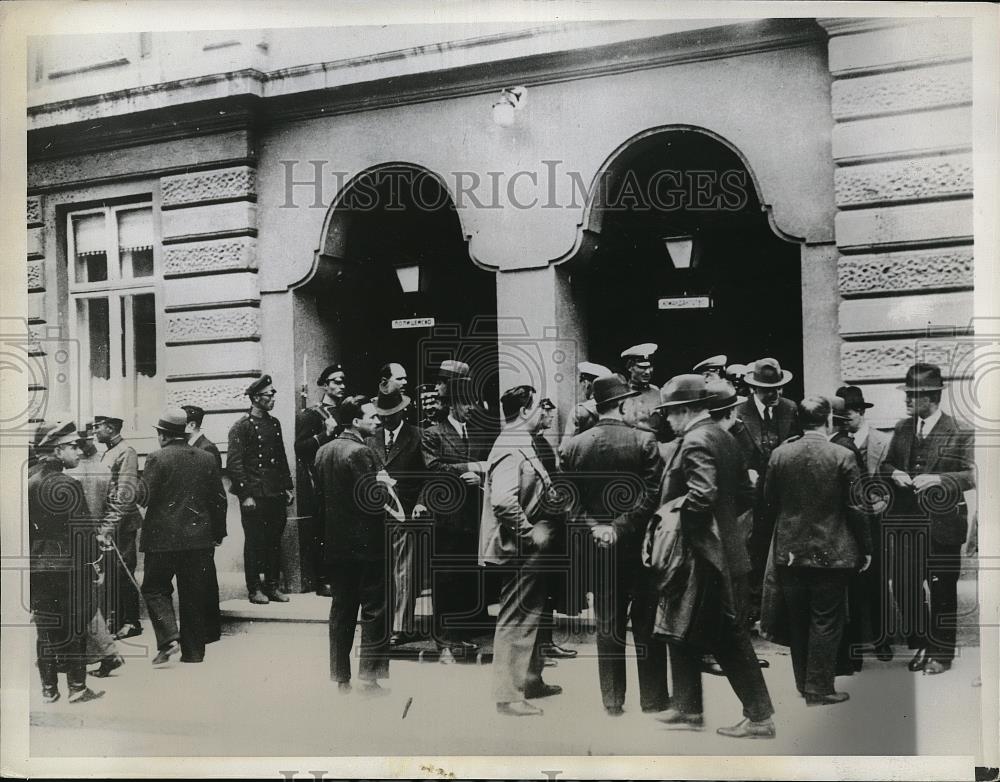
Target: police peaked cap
{"x":258,"y":385}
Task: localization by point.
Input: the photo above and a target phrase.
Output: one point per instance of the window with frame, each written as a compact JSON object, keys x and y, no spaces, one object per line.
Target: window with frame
{"x":113,"y":285}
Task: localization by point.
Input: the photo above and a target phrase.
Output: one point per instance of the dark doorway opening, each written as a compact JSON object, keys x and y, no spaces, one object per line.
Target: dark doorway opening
{"x":685,"y":183}
{"x":396,"y":226}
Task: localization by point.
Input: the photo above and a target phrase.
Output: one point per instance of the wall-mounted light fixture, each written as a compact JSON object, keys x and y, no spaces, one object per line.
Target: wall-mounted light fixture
{"x":511,"y":100}
{"x":408,"y":274}
{"x":681,"y":250}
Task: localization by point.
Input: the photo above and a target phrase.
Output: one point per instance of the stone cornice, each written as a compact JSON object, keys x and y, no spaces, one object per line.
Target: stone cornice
{"x":247,"y":97}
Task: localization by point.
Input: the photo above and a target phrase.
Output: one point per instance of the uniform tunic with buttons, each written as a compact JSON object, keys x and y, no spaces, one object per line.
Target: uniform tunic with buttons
{"x":257,"y":463}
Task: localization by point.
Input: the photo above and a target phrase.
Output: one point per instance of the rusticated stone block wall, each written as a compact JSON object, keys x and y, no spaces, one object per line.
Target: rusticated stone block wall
{"x":902,"y":146}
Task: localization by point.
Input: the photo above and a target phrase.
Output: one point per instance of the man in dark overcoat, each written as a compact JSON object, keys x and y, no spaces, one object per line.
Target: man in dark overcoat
{"x":767,"y":420}
{"x":930,"y":467}
{"x":354,"y":503}
{"x":706,"y":481}
{"x":821,"y":540}
{"x":616,"y":469}
{"x":396,"y":444}
{"x":185,"y":520}
{"x":62,"y":550}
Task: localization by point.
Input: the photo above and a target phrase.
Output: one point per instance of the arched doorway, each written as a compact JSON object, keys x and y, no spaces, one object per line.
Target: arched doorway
{"x":677,"y":224}
{"x":394,"y":259}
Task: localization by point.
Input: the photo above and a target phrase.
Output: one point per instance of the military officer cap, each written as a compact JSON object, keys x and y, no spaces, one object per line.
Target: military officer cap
{"x":258,"y":385}
{"x":716,"y":363}
{"x":453,"y":370}
{"x":324,"y":376}
{"x":639,"y":354}
{"x":109,"y":419}
{"x":50,"y":436}
{"x":737,"y":370}
{"x":591,"y":370}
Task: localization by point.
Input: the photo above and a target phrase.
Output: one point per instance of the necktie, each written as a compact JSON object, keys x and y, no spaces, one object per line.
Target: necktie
{"x":465,"y":435}
{"x":920,"y":431}
{"x":390,"y":441}
{"x":767,"y":425}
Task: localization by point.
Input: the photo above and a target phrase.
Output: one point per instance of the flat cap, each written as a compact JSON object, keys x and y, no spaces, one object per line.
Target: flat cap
{"x":451,"y":369}
{"x":49,"y":436}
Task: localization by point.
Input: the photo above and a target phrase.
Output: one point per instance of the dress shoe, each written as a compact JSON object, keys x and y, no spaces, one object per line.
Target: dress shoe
{"x":614,"y":711}
{"x":519,"y":709}
{"x":884,"y":653}
{"x":277,"y":596}
{"x":541,"y":690}
{"x":748,"y":729}
{"x":128,"y":630}
{"x":710,"y":666}
{"x":675,"y":719}
{"x":762,"y":663}
{"x":324,"y":590}
{"x":164,"y":655}
{"x":558,"y":652}
{"x":84,"y":695}
{"x":108,"y":664}
{"x":50,"y":695}
{"x":372,"y":690}
{"x":826,"y":700}
{"x":464,"y":650}
{"x":918,"y":661}
{"x":445,"y":657}
{"x":934,"y":667}
{"x":343,"y":687}
{"x":258,"y":598}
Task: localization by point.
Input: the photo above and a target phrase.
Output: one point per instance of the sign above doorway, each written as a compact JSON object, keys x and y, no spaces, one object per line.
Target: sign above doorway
{"x":686,"y":303}
{"x":413,"y":323}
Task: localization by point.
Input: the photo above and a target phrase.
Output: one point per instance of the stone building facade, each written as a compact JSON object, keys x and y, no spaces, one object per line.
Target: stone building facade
{"x":190,"y":215}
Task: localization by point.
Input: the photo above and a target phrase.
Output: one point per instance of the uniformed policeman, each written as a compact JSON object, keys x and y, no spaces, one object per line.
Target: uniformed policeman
{"x":585,"y":413}
{"x":639,"y":374}
{"x":713,"y":368}
{"x":261,"y":479}
{"x":315,"y":426}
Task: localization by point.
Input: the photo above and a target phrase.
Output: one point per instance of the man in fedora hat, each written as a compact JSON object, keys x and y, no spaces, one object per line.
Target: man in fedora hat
{"x":315,"y":426}
{"x":452,"y":492}
{"x":768,"y":419}
{"x":258,"y":469}
{"x":639,"y":374}
{"x":873,"y":446}
{"x":608,"y":457}
{"x":929,"y":466}
{"x":396,"y":445}
{"x":707,"y":482}
{"x":61,"y":577}
{"x":185,"y":520}
{"x":354,"y":500}
{"x":122,"y":519}
{"x":515,"y":534}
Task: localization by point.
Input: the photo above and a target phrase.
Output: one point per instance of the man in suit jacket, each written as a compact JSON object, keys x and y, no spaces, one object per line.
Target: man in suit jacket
{"x":515,"y":532}
{"x":873,"y":446}
{"x":196,"y":439}
{"x":768,"y":419}
{"x":185,"y":521}
{"x":821,"y":538}
{"x":396,"y":445}
{"x":929,"y":466}
{"x":354,"y":503}
{"x":456,"y":468}
{"x":615,"y":461}
{"x":707,"y":481}
{"x":314,"y":427}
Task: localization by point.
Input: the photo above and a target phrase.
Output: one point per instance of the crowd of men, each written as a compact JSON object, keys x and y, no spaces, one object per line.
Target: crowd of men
{"x":696,"y":512}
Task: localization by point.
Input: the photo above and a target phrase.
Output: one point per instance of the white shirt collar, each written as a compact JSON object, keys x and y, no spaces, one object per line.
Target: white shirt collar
{"x":761,"y":406}
{"x":457,"y":426}
{"x":929,"y":422}
{"x":395,"y":433}
{"x":860,"y":437}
